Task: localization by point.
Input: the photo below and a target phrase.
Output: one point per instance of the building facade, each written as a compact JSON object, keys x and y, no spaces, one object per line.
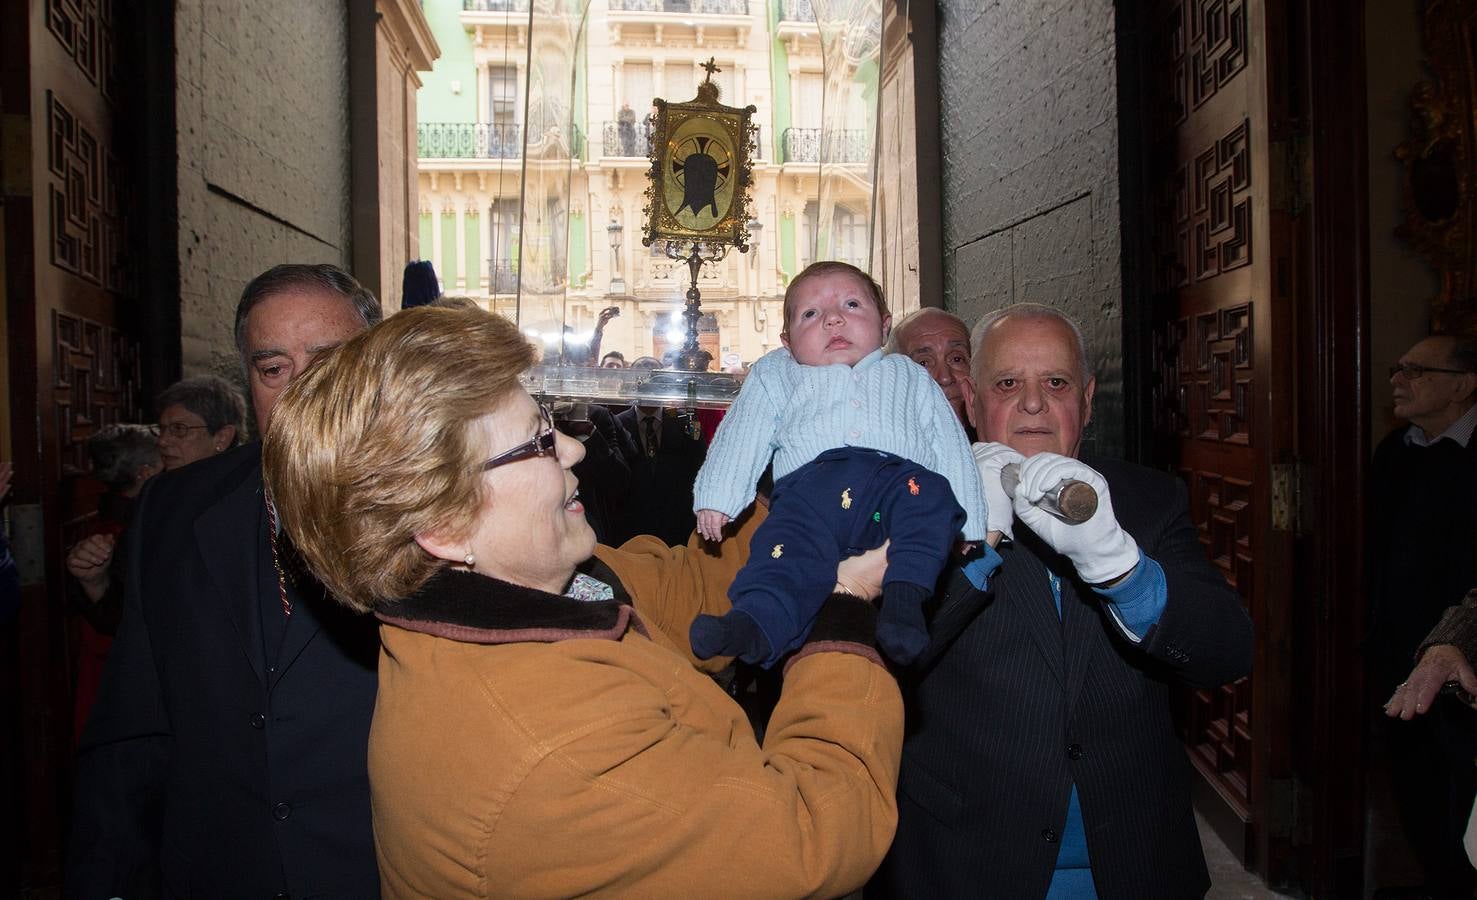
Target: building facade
{"x":473,"y":113}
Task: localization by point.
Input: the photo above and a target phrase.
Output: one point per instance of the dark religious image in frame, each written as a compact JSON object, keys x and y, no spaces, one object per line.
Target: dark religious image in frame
{"x":700,"y":170}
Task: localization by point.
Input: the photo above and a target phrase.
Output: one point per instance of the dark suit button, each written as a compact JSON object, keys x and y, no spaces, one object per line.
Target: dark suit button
{"x":1049,"y":834}
{"x":1074,"y":751}
{"x":258,"y":721}
{"x":281,"y":811}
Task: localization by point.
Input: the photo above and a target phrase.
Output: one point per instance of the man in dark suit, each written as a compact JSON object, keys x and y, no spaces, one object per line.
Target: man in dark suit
{"x":1041,"y":757}
{"x":667,"y":455}
{"x":226,"y":755}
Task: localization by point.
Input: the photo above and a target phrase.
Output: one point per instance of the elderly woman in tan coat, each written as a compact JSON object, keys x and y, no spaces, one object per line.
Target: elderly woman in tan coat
{"x":542,"y":728}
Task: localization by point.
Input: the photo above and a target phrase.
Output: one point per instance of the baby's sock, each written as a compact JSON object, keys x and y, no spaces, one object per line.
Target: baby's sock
{"x":735,"y":633}
{"x":902,"y":632}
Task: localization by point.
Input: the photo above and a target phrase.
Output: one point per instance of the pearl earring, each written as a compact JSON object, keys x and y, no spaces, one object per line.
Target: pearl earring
{"x":470,"y":560}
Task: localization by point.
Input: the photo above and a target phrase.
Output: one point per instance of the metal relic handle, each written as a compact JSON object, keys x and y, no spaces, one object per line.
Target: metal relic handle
{"x":1072,"y":501}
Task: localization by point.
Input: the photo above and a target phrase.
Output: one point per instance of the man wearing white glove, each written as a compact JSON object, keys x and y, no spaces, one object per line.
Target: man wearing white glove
{"x":1042,"y":759}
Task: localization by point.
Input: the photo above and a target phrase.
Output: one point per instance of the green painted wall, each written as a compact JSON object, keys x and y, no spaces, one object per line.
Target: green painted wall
{"x":435,"y":102}
{"x":581,"y":98}
{"x":867,"y":75}
{"x":788,"y":266}
{"x":472,"y":247}
{"x":779,"y":95}
{"x":446,"y":266}
{"x":579,"y":249}
{"x":425,"y":248}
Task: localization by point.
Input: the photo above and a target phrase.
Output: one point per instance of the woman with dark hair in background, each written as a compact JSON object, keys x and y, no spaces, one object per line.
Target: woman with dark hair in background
{"x":123,"y":458}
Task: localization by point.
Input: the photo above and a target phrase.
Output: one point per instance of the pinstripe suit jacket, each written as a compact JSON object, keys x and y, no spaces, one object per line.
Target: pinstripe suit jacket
{"x":1012,"y":705}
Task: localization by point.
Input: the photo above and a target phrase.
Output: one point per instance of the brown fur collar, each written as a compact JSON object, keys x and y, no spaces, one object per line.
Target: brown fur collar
{"x":477,"y":609}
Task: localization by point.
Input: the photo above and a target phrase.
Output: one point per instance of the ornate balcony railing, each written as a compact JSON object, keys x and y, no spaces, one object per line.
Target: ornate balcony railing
{"x":633,"y":139}
{"x":804,"y":145}
{"x":495,"y":5}
{"x":702,"y":7}
{"x":628,"y":138}
{"x":468,"y":140}
{"x":502,"y":276}
{"x":794,"y":11}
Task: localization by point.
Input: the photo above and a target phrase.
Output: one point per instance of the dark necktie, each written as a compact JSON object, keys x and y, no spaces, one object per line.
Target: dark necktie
{"x":649,"y":423}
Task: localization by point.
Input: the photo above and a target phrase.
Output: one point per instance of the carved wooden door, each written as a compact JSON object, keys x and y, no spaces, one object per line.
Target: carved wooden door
{"x":1223,"y":275}
{"x":71,"y":368}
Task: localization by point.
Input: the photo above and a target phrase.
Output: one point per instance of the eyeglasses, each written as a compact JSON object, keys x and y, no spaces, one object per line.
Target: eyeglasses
{"x":541,"y":444}
{"x":177,"y":430}
{"x":1412,"y":371}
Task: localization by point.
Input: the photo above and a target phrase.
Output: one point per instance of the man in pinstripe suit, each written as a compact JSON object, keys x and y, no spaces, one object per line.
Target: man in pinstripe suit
{"x":1041,"y":760}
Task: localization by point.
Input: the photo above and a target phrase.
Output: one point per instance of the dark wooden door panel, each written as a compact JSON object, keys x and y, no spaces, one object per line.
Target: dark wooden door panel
{"x":1217,"y":330}
{"x":73,"y":368}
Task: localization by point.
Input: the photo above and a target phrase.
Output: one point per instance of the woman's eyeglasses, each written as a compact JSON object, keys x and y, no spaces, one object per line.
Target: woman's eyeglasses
{"x":176,"y":430}
{"x":541,"y":444}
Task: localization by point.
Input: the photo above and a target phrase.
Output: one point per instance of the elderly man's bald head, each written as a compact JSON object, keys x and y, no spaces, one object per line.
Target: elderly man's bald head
{"x":1033,"y":387}
{"x":939,"y":342}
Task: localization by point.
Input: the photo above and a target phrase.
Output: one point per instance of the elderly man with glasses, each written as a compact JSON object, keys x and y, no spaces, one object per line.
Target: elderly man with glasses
{"x":1423,"y":558}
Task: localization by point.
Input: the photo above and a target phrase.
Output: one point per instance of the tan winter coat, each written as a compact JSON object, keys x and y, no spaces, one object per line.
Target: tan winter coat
{"x":526,"y":745}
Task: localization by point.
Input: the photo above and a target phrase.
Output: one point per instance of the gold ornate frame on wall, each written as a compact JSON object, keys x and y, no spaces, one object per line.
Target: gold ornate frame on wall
{"x":1440,"y":160}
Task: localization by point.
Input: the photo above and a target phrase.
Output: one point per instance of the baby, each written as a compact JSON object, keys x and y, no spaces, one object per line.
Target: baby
{"x":866,"y":449}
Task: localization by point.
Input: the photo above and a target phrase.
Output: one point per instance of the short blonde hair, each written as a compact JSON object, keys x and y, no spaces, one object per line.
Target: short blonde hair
{"x":831,"y":267}
{"x":370,"y":447}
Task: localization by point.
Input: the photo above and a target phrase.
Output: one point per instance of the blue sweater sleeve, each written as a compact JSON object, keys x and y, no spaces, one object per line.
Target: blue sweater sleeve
{"x":1137,"y":602}
{"x":953,"y":459}
{"x":742,"y":446}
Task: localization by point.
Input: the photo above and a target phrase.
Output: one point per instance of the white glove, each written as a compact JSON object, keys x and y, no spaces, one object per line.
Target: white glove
{"x":1099,"y":548}
{"x":991,"y":458}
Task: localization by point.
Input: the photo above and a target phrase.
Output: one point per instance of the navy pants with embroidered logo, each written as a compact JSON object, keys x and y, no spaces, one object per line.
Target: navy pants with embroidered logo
{"x":844,"y":502}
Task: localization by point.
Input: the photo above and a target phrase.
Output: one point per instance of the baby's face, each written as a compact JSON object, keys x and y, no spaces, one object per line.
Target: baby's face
{"x":834,"y":321}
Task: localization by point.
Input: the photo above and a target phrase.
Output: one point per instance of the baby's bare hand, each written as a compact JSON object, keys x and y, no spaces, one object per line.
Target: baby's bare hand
{"x":710,"y":524}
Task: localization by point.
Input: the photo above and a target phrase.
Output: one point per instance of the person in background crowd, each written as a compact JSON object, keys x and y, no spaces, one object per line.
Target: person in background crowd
{"x":1444,"y":658}
{"x":939,"y":342}
{"x":1423,"y":526}
{"x":626,"y":128}
{"x":604,"y":472}
{"x":666,"y":453}
{"x":582,"y":354}
{"x":418,"y":284}
{"x":1445,"y":666}
{"x":613,"y":360}
{"x":199,"y":417}
{"x":1042,"y":758}
{"x":522,"y":685}
{"x":124,"y":457}
{"x":225,"y":753}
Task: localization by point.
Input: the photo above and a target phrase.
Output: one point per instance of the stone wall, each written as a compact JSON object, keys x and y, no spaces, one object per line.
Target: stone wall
{"x":263,"y":142}
{"x":1029,"y":109}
